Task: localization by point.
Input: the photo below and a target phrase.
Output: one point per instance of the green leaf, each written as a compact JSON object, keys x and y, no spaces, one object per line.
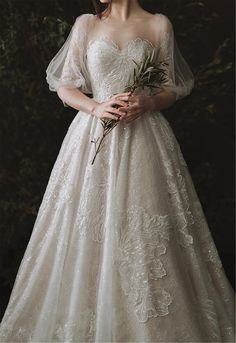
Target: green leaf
{"x":135,"y":63}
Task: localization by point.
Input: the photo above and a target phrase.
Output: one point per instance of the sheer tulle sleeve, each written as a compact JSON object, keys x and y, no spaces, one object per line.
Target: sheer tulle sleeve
{"x":180,"y":76}
{"x":68,"y":67}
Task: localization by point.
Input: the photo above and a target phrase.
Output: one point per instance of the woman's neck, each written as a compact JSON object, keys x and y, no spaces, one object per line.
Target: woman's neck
{"x":122,"y":10}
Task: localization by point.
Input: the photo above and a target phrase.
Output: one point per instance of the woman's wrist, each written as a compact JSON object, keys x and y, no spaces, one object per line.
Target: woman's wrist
{"x":78,"y":100}
{"x":162,"y":100}
{"x":153,"y":101}
{"x":94,"y":107}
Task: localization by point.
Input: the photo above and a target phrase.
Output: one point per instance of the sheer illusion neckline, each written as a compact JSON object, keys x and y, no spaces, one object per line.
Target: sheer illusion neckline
{"x":116,"y":46}
{"x":111,"y":42}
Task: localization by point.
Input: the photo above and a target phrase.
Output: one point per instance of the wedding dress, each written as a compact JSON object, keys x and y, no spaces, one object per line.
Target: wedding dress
{"x":121,"y":250}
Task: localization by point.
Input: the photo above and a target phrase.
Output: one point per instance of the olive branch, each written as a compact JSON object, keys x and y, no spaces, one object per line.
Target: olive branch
{"x":150,"y":74}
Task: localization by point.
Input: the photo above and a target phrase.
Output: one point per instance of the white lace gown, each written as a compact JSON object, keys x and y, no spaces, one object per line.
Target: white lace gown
{"x":121,"y":250}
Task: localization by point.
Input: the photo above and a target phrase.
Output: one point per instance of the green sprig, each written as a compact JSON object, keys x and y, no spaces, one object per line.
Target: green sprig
{"x":150,"y":74}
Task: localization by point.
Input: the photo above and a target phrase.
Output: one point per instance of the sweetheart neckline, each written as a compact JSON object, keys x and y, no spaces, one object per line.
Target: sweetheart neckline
{"x":109,"y":40}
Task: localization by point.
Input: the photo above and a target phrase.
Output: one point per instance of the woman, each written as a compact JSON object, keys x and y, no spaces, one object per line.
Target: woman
{"x":120,"y":250}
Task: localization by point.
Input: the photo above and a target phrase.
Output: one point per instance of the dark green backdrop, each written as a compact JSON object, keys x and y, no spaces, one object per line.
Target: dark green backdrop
{"x":34,"y":121}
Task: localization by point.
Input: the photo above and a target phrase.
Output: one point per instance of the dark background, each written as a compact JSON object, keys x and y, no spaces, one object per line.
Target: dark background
{"x":34,"y":121}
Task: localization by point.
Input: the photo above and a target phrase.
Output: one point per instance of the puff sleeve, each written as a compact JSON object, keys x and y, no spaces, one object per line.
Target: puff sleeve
{"x":180,"y":77}
{"x":68,"y":67}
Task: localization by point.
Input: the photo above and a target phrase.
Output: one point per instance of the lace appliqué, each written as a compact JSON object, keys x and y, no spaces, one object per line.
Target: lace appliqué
{"x":88,"y":224}
{"x":93,"y":198}
{"x":141,"y":245}
{"x":208,"y":245}
{"x":176,"y":185}
{"x":104,"y":82}
{"x":179,"y":197}
{"x":81,"y":330}
{"x":60,"y":188}
{"x":167,"y":134}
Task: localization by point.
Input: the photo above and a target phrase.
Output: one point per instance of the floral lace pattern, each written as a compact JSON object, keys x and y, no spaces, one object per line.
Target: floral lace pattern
{"x":106,"y":78}
{"x":141,"y":245}
{"x":72,"y":332}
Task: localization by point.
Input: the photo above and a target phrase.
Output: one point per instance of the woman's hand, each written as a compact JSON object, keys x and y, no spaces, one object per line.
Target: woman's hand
{"x":107,"y":108}
{"x":138,"y":105}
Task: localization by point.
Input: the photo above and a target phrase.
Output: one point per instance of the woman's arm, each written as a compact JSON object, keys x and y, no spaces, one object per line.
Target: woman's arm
{"x":81,"y":102}
{"x":162,"y":100}
{"x":77,"y":99}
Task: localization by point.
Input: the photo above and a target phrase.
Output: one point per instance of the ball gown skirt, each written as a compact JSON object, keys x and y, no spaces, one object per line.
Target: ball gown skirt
{"x":121,"y":250}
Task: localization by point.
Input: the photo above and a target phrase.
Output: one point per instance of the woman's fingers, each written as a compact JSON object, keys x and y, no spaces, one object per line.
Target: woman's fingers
{"x":121,"y":103}
{"x":109,"y":115}
{"x":124,"y":97}
{"x":123,"y":110}
{"x":130,"y":110}
{"x":118,"y":103}
{"x":113,"y":110}
{"x":120,"y":94}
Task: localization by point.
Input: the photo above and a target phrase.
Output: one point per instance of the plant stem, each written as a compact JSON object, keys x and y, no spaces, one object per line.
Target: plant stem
{"x":141,"y":80}
{"x":98,"y":149}
{"x":108,"y":130}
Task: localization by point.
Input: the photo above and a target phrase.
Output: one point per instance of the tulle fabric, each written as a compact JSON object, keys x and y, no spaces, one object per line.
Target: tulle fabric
{"x":180,"y":76}
{"x":69,"y":66}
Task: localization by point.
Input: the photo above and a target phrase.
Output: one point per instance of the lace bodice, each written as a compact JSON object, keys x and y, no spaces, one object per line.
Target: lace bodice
{"x":105,"y":60}
{"x":100,"y":67}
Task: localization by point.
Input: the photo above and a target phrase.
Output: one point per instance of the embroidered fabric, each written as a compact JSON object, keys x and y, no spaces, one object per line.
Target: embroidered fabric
{"x":69,"y":67}
{"x":120,"y":250}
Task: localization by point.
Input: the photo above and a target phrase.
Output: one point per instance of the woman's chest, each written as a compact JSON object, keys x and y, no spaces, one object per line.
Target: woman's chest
{"x":104,"y":55}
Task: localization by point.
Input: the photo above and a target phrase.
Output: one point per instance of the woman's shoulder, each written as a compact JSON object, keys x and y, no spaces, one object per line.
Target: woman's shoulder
{"x":154,"y":16}
{"x":83,"y":20}
{"x":163,"y":21}
{"x":162,"y":17}
{"x":85,"y":17}
{"x":159,"y":20}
